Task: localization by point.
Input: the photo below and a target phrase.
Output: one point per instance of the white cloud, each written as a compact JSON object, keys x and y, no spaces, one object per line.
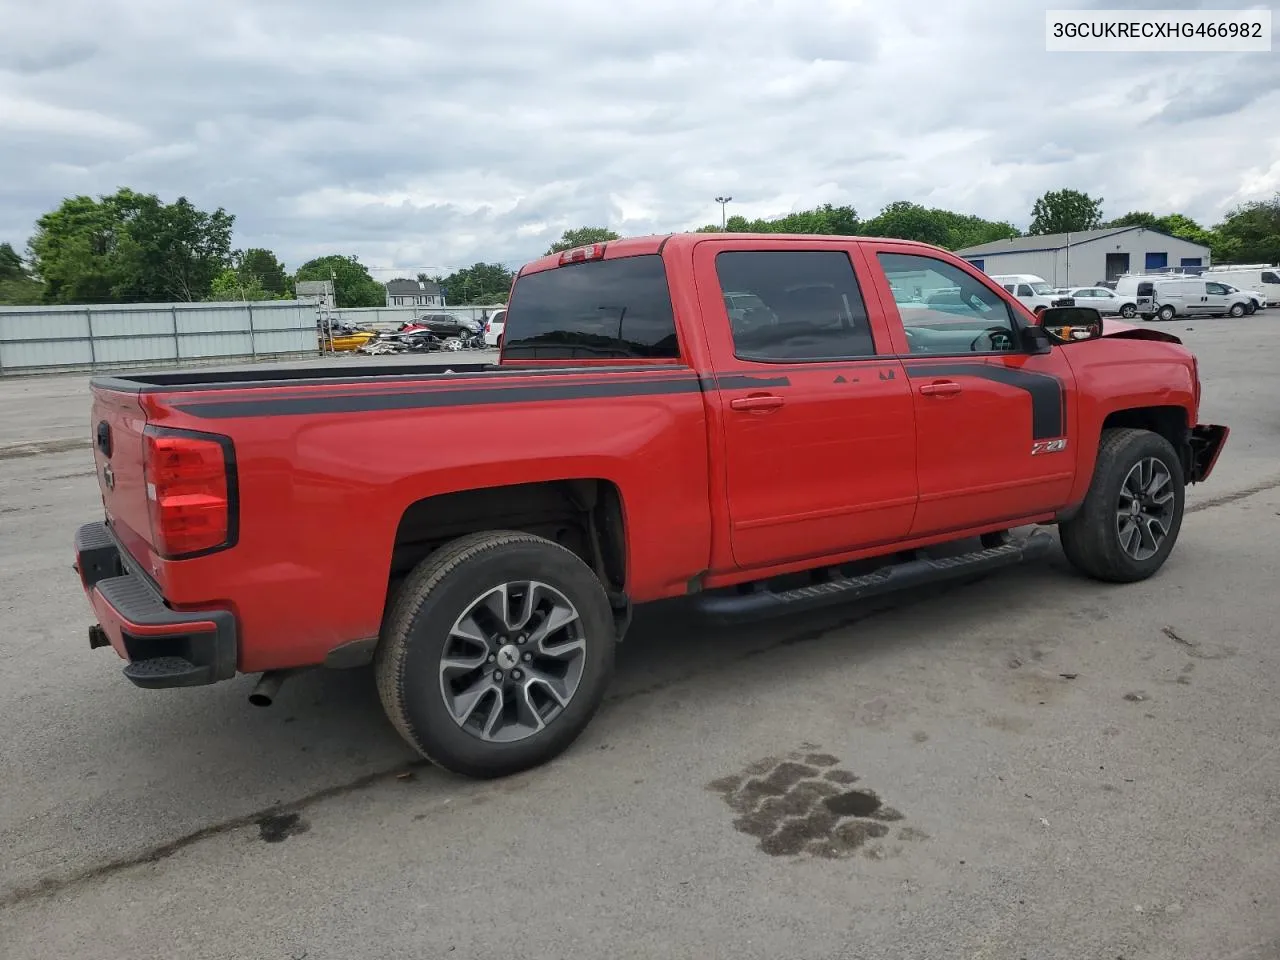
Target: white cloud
{"x":423,"y":136}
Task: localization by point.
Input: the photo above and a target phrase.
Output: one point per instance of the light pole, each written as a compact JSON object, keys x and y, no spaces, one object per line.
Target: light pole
{"x":723,"y":221}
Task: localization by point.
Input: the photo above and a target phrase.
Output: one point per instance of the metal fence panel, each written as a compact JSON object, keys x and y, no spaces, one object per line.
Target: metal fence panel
{"x":36,"y":339}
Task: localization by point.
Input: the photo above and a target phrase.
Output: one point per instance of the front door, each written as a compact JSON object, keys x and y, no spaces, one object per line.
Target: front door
{"x":819,"y":428}
{"x":992,"y":421}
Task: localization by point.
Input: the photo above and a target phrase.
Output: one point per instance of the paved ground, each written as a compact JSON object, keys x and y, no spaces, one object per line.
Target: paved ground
{"x":1066,"y":770}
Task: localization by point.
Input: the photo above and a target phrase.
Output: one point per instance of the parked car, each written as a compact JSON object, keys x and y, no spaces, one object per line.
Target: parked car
{"x":1032,"y":292}
{"x":817,"y":458}
{"x":493,"y":328}
{"x":1106,"y":302}
{"x":446,"y":327}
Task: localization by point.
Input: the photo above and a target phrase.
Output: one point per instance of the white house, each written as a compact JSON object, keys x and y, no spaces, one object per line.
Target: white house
{"x":414,"y":293}
{"x":1087,"y":257}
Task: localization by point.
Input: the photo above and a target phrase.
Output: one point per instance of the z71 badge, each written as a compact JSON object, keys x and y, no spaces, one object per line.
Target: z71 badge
{"x":1048,"y":446}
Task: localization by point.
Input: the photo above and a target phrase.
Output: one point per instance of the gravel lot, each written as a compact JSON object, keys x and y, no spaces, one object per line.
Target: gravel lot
{"x":1067,"y":770}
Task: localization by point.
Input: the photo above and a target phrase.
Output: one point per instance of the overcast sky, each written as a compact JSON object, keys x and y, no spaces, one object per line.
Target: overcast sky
{"x":428,"y":134}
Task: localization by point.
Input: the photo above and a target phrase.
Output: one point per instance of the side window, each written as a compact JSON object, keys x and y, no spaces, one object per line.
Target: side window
{"x":1024,"y":290}
{"x":1269,"y":277}
{"x":1215,"y":288}
{"x":794,"y":305}
{"x":958,"y":314}
{"x":1009,"y":287}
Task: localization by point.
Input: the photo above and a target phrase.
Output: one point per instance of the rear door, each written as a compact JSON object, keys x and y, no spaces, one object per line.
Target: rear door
{"x":817,"y":416}
{"x":993,"y":421}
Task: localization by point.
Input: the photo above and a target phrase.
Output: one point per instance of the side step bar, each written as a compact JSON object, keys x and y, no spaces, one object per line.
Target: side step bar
{"x":731,"y":607}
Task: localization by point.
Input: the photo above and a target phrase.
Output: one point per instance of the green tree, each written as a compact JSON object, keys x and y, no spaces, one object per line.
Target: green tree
{"x":1251,"y":232}
{"x":261,"y":265}
{"x":1065,"y":211}
{"x":352,"y":284}
{"x":231,"y":284}
{"x":825,"y":220}
{"x":129,"y":247}
{"x":1136,"y":218}
{"x":480,"y":283}
{"x":943,"y":228}
{"x":17,"y":286}
{"x":908,"y":221}
{"x":581,"y":237}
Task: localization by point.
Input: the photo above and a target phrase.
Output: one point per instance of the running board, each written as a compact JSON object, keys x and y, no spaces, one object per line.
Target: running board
{"x":730,"y":607}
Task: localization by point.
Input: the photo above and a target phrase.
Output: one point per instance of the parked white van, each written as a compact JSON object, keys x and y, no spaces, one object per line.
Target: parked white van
{"x":1261,"y":277}
{"x":1031,"y":290}
{"x":1167,"y":297}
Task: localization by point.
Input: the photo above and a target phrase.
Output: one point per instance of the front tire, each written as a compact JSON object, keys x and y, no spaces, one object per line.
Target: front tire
{"x":1132,"y":513}
{"x":1237,"y":310}
{"x":497,"y":653}
{"x":1167,"y":313}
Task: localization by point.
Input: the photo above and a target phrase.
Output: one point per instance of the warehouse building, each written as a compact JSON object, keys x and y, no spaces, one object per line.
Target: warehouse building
{"x":1080,"y":259}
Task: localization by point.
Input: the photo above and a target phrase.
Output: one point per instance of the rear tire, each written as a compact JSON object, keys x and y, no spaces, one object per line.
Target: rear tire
{"x":1129,"y":311}
{"x":1100,"y":539}
{"x":476,"y":667}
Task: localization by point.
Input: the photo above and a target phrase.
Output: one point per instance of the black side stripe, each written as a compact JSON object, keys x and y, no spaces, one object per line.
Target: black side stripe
{"x":1048,"y":401}
{"x":427,"y":399}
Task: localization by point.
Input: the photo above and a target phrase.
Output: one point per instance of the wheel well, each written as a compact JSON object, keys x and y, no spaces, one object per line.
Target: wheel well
{"x":1169,"y":422}
{"x":584,"y":516}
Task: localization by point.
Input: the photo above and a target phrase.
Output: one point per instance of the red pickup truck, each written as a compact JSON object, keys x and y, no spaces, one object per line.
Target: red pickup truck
{"x":763,"y":423}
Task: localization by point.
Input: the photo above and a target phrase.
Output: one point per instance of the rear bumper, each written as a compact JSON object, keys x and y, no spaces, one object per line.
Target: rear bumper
{"x":163,"y":647}
{"x":1206,"y":441}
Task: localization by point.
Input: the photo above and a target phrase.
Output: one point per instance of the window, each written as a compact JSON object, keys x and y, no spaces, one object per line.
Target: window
{"x":1024,"y":290}
{"x":794,"y":305}
{"x":1270,"y":277}
{"x":599,"y":309}
{"x":1217,"y":289}
{"x":1157,"y":261}
{"x":958,"y":313}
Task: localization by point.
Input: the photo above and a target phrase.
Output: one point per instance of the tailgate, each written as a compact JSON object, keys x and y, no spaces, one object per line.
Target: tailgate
{"x":117,"y":425}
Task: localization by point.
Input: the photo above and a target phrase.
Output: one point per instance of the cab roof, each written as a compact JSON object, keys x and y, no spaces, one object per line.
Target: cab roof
{"x":657,"y":243}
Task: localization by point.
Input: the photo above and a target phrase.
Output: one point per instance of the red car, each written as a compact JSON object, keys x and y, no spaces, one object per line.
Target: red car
{"x":482,"y":535}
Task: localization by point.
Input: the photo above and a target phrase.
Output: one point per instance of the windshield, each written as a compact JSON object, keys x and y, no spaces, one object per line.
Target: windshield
{"x":1041,"y":289}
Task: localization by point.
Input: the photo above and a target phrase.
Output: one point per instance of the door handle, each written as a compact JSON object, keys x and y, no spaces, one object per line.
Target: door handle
{"x":758,"y":403}
{"x":940,"y":388}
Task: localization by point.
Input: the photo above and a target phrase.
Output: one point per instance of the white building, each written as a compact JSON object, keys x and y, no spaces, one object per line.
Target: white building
{"x":1087,"y":257}
{"x":414,"y":293}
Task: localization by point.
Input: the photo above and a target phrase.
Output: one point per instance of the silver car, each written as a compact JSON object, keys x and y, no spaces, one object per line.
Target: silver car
{"x":1101,"y":299}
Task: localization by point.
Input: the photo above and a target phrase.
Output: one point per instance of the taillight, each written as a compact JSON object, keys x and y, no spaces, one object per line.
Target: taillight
{"x":191,"y":492}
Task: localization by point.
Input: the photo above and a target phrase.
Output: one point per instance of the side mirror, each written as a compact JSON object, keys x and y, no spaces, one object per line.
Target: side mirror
{"x":1071,"y":324}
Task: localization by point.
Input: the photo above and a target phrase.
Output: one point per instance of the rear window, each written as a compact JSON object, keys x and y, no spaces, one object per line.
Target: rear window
{"x":601,"y":309}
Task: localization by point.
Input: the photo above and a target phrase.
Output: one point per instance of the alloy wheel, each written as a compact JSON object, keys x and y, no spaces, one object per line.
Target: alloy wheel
{"x":513,"y":661}
{"x":1144,"y":513}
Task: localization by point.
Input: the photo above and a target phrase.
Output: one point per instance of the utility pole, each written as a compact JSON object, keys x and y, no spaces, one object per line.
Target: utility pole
{"x":723,"y":201}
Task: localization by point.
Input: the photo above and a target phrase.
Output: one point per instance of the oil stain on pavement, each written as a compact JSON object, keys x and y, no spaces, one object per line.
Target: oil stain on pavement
{"x":278,"y":827}
{"x":802,"y":804}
